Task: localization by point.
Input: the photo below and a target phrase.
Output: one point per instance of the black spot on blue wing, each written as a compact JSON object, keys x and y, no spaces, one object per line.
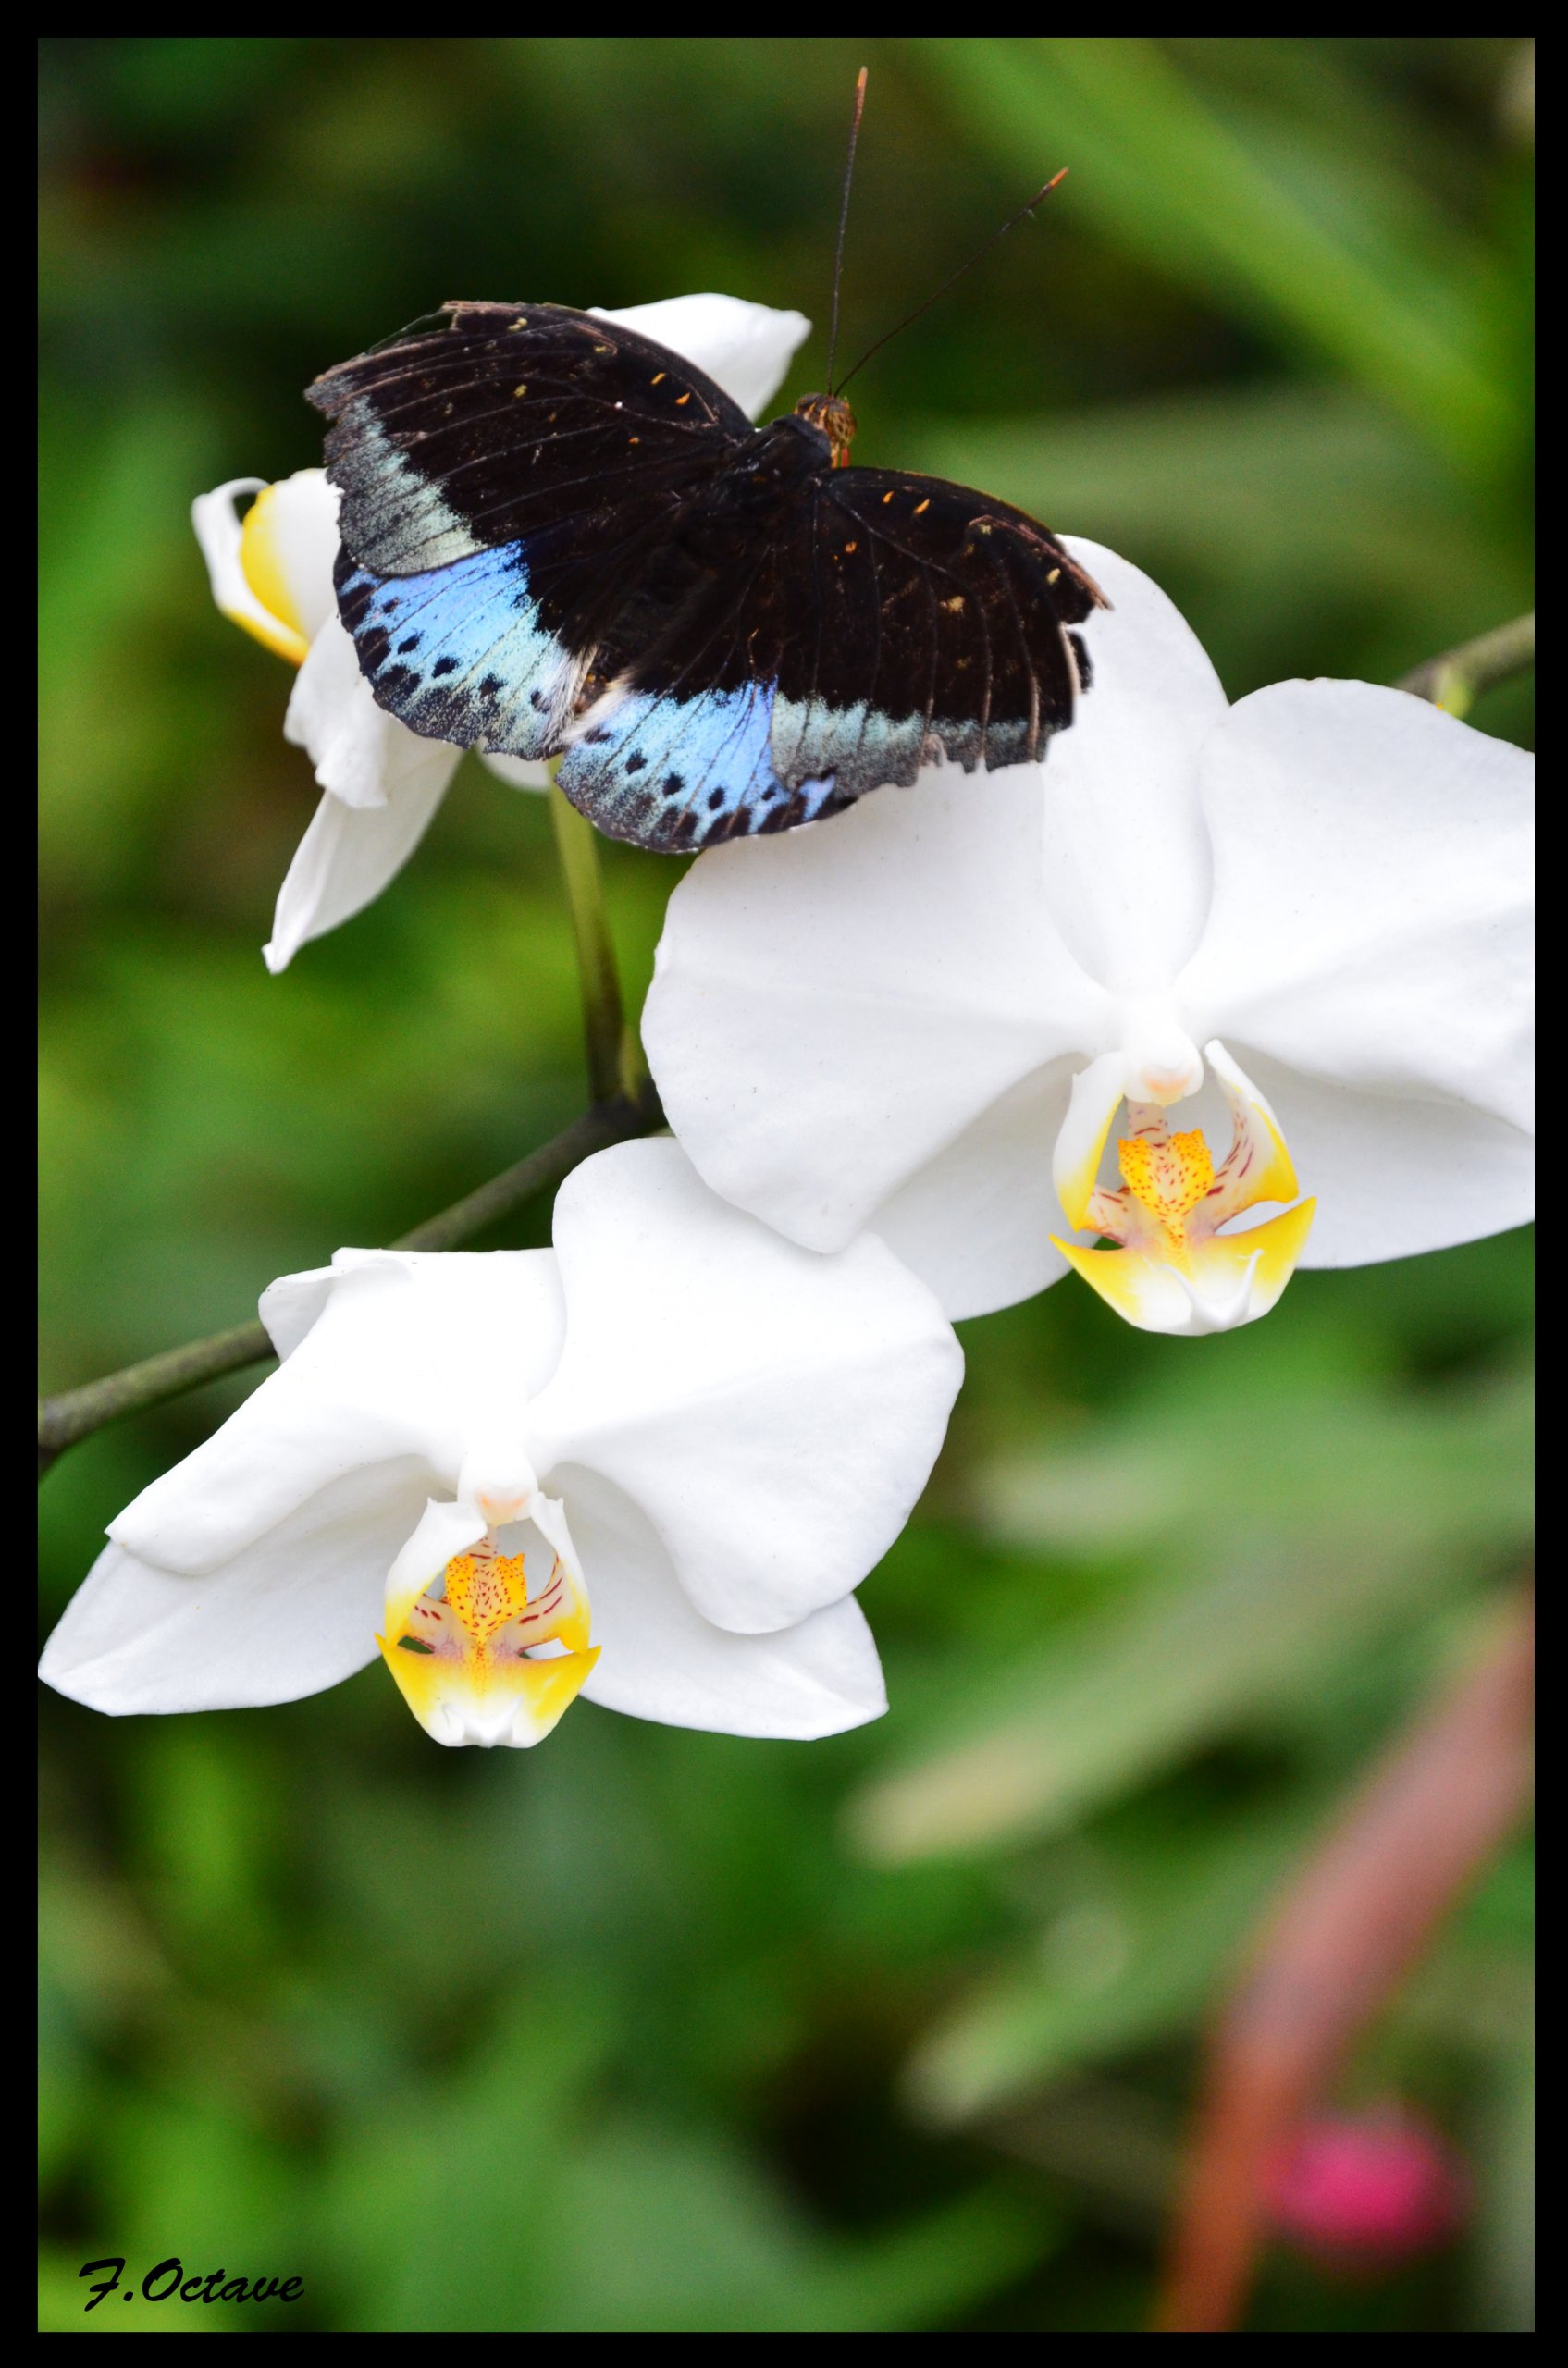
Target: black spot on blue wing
{"x":723,"y":784}
{"x":495,"y":678}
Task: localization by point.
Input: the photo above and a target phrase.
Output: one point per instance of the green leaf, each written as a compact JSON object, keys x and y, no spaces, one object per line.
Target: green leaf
{"x":1220,"y":202}
{"x":1300,"y":1537}
{"x":1122,"y":1966}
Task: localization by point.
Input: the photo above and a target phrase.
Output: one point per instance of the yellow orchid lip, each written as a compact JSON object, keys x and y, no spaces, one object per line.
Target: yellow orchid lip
{"x":1171,"y":1268}
{"x":1231,"y":1278}
{"x":464,"y":1660}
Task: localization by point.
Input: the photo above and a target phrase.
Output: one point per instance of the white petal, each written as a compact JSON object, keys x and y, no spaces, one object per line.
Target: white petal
{"x":217,"y":524}
{"x":775,"y":1414}
{"x":410,"y":1356}
{"x":272,"y":574}
{"x":347,"y":856}
{"x":1370,"y":929}
{"x":658,"y":1658}
{"x":288,"y":547}
{"x":835,"y":1008}
{"x":975,"y":1223}
{"x":353,"y":743}
{"x":747,"y":348}
{"x":1126,"y":858}
{"x":518,"y":773}
{"x":1395,"y":1174}
{"x":290,"y":1305}
{"x":296,"y":1611}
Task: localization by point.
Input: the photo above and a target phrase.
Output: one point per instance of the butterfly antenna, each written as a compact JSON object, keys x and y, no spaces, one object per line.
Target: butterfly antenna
{"x":843,"y":217}
{"x":979,"y":252}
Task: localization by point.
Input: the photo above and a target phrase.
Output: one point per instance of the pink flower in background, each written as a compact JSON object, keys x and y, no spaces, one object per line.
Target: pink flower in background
{"x":1366,"y":2190}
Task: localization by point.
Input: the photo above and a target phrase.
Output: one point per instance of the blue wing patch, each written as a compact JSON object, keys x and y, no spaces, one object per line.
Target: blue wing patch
{"x":672,"y":773}
{"x":460,"y":653}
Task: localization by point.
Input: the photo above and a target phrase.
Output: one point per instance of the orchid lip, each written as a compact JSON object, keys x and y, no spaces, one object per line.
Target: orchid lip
{"x":490,"y":1659}
{"x":1172,"y":1268}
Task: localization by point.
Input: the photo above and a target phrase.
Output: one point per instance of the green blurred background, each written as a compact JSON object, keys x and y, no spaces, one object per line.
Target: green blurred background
{"x":649,"y":2030}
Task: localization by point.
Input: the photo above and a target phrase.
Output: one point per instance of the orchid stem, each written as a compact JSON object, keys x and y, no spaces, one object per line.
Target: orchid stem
{"x":74,"y":1414}
{"x":1355,"y":1916}
{"x":614,"y":1057}
{"x":1456,"y":679}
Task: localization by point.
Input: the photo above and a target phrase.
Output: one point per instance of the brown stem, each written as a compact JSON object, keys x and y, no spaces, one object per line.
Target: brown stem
{"x":1350,"y":1926}
{"x":1455,"y":679}
{"x":72,"y":1414}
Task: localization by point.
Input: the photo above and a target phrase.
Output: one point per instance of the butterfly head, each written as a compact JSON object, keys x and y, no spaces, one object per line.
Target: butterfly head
{"x":836,"y":421}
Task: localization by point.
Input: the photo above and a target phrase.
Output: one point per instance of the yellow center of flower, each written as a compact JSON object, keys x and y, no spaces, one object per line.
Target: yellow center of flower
{"x":468,"y":1662}
{"x":486,"y":1594}
{"x":1169,"y":1175}
{"x":1173,"y":1269}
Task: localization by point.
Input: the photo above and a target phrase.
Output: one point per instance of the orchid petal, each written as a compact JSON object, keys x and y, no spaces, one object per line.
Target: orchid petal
{"x":218,"y":530}
{"x":834,"y":1009}
{"x":974,"y":1222}
{"x":290,"y":1306}
{"x":273,"y":573}
{"x":746,"y":347}
{"x":289,"y":549}
{"x":1367,"y":948}
{"x":773,"y":1414}
{"x":294,"y":1611}
{"x":348,"y":855}
{"x":1394,"y":1174}
{"x":658,"y":1658}
{"x":1127,"y":862}
{"x":410,"y":1356}
{"x":518,"y":773}
{"x":357,"y":749}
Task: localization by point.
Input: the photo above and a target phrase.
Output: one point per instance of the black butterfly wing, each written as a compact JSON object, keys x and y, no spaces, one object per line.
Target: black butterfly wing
{"x":883,"y":622}
{"x":505,"y":471}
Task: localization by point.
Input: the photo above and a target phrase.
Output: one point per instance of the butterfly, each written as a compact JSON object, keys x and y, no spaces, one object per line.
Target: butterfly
{"x":560,"y":538}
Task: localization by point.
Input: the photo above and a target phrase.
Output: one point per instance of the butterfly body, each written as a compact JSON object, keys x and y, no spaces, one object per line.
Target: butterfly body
{"x":558,"y":536}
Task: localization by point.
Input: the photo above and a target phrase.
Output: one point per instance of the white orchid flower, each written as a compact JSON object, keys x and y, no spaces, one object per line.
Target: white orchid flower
{"x":924,"y":1015}
{"x":649,"y":1465}
{"x":272,"y":574}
